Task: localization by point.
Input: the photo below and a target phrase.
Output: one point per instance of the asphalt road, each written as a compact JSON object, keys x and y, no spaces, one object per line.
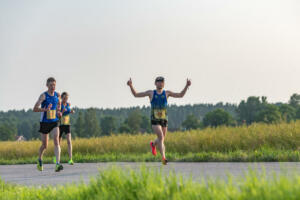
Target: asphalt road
{"x":28,"y":174}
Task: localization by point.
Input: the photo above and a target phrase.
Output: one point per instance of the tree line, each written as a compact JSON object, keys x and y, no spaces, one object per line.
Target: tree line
{"x":253,"y":110}
{"x":95,"y":122}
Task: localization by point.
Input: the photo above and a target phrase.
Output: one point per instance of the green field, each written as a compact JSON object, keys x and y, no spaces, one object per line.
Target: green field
{"x":148,"y":184}
{"x":258,"y":142}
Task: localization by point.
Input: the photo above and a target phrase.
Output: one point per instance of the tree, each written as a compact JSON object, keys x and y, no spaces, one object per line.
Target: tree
{"x":294,"y":100}
{"x":7,"y":133}
{"x":25,"y":129}
{"x":108,"y":125}
{"x":191,"y":122}
{"x":269,"y":114}
{"x":145,"y":124}
{"x":35,"y":130}
{"x":124,"y":128}
{"x":248,"y":110}
{"x":134,"y":121}
{"x":217,"y":117}
{"x":288,"y":112}
{"x":79,"y":126}
{"x":92,"y":127}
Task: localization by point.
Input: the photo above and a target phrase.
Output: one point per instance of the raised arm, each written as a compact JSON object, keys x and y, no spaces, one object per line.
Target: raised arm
{"x":182,"y":93}
{"x":37,"y":105}
{"x":138,"y":94}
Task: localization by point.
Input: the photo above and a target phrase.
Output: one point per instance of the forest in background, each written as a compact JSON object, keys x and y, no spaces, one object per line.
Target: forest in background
{"x":97,"y":122}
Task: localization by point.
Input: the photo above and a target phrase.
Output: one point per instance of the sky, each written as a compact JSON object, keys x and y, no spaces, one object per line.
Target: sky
{"x":229,"y":49}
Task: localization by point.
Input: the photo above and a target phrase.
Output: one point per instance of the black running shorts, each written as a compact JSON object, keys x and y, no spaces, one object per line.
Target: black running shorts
{"x":64,"y":129}
{"x":161,"y":122}
{"x":47,"y":127}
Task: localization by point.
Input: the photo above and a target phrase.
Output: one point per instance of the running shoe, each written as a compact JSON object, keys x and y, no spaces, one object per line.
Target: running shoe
{"x":164,"y":161}
{"x":58,"y":167}
{"x":153,"y":148}
{"x":40,"y":165}
{"x":71,"y":162}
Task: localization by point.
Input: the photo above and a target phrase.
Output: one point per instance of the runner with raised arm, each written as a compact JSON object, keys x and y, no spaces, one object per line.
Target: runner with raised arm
{"x":159,"y":118}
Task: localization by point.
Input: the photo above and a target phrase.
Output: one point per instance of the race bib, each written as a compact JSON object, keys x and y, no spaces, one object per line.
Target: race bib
{"x":160,"y":114}
{"x":51,"y":114}
{"x":65,"y":120}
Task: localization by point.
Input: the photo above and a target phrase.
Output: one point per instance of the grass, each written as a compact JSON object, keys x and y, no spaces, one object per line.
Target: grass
{"x":261,"y":155}
{"x":114,"y":184}
{"x":258,"y":142}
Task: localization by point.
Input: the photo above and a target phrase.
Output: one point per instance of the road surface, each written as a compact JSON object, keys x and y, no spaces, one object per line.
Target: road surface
{"x":28,"y":174}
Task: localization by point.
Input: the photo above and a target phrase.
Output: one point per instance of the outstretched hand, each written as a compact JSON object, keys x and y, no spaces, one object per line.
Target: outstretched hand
{"x":129,"y":83}
{"x":188,"y":82}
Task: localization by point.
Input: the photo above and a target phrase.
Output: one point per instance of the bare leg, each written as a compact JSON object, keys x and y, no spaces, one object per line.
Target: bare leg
{"x":60,"y":138}
{"x":164,"y":129}
{"x":55,"y":132}
{"x":44,"y":138}
{"x":69,"y":140}
{"x":160,"y":139}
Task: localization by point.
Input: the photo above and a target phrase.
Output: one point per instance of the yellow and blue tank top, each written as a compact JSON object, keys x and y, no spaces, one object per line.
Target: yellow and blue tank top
{"x":65,"y":119}
{"x":50,"y":115}
{"x":159,"y":104}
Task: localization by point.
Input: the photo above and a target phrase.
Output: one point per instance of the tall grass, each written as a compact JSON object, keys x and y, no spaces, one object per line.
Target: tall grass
{"x":279,"y":137}
{"x":114,"y":184}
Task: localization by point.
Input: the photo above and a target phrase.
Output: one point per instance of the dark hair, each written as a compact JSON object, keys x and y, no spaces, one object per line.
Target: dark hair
{"x":160,"y":79}
{"x":64,"y":94}
{"x":51,"y":79}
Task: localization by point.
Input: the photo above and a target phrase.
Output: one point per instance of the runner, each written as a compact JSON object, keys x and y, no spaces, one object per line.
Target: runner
{"x":159,"y":117}
{"x":49,"y":105}
{"x":65,"y":125}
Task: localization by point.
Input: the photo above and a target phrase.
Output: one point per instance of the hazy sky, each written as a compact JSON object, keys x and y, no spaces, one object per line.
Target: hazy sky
{"x":231,"y":49}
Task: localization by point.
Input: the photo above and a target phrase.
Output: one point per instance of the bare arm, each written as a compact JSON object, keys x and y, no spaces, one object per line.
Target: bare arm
{"x":138,"y":94}
{"x":58,"y":107}
{"x":182,"y":93}
{"x":37,"y":105}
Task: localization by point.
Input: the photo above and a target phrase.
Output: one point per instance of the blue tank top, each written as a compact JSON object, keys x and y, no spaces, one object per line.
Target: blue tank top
{"x":159,"y":104}
{"x":65,"y":119}
{"x":51,"y":115}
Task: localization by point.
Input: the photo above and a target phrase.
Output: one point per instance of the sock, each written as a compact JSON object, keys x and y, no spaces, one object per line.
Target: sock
{"x":57,"y":163}
{"x":40,"y":162}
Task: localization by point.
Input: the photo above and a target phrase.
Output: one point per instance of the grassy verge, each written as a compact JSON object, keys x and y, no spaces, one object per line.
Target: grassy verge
{"x":145,"y":184}
{"x":262,"y":155}
{"x":258,"y":142}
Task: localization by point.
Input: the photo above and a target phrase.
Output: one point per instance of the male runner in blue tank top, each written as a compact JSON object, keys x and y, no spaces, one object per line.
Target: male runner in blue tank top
{"x":159,"y":117}
{"x":49,"y":104}
{"x":65,"y":124}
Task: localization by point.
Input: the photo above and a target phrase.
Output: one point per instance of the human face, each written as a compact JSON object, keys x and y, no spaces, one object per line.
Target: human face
{"x":51,"y":86}
{"x":65,"y":98}
{"x":159,"y":85}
